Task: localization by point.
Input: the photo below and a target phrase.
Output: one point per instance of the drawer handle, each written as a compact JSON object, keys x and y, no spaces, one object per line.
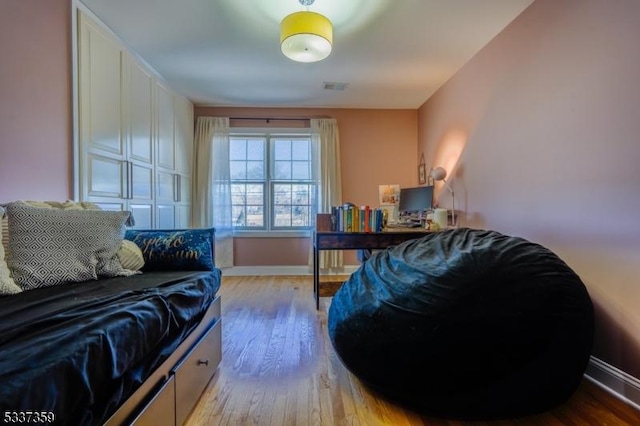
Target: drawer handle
{"x":203,"y":362}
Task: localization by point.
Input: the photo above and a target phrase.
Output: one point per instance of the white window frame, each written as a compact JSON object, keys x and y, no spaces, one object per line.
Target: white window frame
{"x":267,"y":231}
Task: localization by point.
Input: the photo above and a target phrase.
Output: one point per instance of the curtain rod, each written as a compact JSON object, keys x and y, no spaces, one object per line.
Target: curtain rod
{"x":268,"y":119}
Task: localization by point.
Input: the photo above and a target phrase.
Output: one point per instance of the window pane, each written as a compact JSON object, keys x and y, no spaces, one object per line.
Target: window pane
{"x":282,"y":205}
{"x":300,"y":150}
{"x":238,"y":194}
{"x":282,"y":194}
{"x":282,"y":216}
{"x":300,"y":216}
{"x":300,"y":194}
{"x":292,"y":204}
{"x":238,"y":169}
{"x":300,"y":170}
{"x":255,"y":170}
{"x":255,"y":216}
{"x":282,"y":149}
{"x":255,"y":149}
{"x":238,"y":199}
{"x":282,"y":170}
{"x":255,"y":194}
{"x":247,"y":160}
{"x":247,"y":205}
{"x":237,"y":149}
{"x":239,"y":215}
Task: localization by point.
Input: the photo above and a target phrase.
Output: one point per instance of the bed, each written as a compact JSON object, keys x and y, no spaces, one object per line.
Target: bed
{"x":87,"y":339}
{"x":82,"y":350}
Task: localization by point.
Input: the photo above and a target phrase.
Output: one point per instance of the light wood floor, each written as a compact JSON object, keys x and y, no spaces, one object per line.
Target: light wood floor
{"x":279,"y":368}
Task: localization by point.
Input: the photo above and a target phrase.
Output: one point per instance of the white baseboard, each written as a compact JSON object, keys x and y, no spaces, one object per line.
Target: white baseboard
{"x":615,"y":381}
{"x":238,"y":271}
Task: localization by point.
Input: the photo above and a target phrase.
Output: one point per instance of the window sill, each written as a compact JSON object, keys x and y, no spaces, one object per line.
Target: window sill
{"x":272,"y":234}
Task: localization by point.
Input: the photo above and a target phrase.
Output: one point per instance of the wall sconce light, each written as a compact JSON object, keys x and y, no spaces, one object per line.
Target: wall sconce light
{"x":440,"y":174}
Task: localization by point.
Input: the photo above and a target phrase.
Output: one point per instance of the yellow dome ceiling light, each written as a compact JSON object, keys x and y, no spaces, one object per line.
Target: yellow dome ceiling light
{"x":306,"y":36}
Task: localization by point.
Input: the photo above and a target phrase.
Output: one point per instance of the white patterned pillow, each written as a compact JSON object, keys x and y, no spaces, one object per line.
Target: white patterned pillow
{"x":53,"y":246}
{"x":65,"y":205}
{"x":7,"y":285}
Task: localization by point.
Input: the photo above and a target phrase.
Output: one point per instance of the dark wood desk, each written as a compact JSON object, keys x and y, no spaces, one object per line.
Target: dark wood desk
{"x":325,"y":240}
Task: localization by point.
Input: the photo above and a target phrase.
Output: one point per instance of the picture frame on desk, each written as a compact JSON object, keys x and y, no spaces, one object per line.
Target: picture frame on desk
{"x":388,"y":198}
{"x":388,"y":194}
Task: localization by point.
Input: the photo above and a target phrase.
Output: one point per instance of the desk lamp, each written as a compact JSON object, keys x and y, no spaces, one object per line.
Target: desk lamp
{"x":437,"y":174}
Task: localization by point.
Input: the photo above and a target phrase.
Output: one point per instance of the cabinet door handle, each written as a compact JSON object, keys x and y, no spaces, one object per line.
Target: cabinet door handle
{"x":177,"y":191}
{"x":203,"y":362}
{"x":124,"y":179}
{"x":130,"y":180}
{"x":179,"y":186}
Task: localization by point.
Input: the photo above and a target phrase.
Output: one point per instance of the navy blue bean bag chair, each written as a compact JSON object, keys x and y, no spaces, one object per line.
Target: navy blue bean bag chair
{"x":465,"y":323}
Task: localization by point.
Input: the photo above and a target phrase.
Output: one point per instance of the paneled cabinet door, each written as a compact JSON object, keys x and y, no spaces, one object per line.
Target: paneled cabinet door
{"x":142,"y":214}
{"x":183,"y":207}
{"x":173,"y":195}
{"x":165,"y":199}
{"x":165,"y":128}
{"x":184,"y":189}
{"x":184,"y":157}
{"x":139,"y":112}
{"x":100,"y":81}
{"x":105,"y":177}
{"x":166,"y":186}
{"x":166,"y":216}
{"x":183,"y":134}
{"x":140,"y":194}
{"x":101,"y":143}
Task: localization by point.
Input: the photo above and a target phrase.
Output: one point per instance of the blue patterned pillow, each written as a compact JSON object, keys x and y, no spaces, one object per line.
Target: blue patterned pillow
{"x":175,"y":249}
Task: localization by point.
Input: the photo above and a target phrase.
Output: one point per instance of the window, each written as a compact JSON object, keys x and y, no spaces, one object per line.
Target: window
{"x":272,"y":181}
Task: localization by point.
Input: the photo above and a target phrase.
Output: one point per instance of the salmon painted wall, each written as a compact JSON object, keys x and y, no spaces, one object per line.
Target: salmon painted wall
{"x":541,"y":129}
{"x":35,"y":100}
{"x":376,"y":146}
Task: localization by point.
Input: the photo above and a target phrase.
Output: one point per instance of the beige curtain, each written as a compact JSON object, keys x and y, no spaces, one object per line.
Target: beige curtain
{"x":212,"y":185}
{"x":326,"y":141}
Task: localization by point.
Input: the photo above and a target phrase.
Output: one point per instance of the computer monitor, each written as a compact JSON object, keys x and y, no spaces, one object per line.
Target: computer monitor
{"x":416,"y":199}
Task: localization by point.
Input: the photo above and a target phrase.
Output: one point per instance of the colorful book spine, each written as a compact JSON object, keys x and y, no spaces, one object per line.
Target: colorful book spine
{"x":349,"y":218}
{"x":367,"y":219}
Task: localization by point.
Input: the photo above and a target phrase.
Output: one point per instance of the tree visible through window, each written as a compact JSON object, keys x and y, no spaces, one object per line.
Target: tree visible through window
{"x":272,"y":182}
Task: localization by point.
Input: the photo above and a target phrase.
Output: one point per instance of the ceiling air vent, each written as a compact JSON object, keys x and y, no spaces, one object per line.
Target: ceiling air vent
{"x":332,"y":85}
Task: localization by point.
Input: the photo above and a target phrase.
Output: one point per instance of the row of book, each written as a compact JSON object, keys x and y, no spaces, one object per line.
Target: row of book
{"x":351,"y":218}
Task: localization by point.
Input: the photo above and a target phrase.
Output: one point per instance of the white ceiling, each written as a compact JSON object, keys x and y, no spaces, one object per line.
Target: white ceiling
{"x":392,"y":53}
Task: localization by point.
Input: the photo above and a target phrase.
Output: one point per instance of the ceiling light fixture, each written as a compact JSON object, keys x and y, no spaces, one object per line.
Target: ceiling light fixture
{"x":306,"y":36}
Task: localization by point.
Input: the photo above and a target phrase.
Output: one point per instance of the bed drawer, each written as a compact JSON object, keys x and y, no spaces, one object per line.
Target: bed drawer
{"x":195,"y":370}
{"x":161,"y":409}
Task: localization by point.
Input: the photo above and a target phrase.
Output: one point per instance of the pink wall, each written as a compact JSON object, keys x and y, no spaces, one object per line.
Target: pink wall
{"x":542,"y":128}
{"x":35,"y":100}
{"x":377,"y":147}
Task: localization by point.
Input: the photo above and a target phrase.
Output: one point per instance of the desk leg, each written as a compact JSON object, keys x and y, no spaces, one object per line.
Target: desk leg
{"x":316,"y":276}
